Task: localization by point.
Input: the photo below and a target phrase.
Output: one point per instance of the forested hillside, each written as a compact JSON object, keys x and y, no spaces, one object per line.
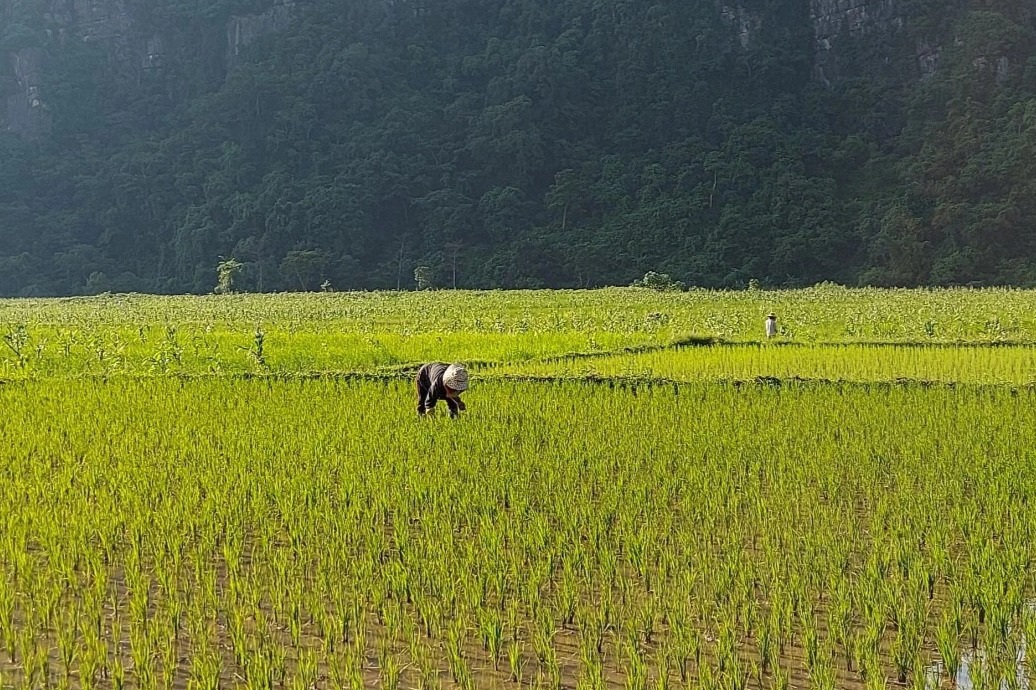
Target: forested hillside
{"x":515,"y":143}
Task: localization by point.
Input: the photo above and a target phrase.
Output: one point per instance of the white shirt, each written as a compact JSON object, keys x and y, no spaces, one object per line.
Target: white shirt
{"x":771,"y":327}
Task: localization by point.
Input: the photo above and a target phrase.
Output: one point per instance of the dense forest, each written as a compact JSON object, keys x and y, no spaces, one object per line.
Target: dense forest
{"x":524,"y":143}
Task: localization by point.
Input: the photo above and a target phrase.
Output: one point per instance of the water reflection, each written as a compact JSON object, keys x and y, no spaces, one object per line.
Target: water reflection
{"x":973,"y":668}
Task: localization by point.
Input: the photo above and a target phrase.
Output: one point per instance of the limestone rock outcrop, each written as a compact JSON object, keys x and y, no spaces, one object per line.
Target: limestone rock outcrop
{"x":131,"y":43}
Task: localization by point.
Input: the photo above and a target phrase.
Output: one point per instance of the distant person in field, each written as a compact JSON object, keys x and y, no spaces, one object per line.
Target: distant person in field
{"x":771,"y":325}
{"x":438,"y":381}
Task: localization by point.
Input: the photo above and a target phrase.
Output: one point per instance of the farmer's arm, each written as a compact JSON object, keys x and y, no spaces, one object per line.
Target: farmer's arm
{"x":455,"y":406}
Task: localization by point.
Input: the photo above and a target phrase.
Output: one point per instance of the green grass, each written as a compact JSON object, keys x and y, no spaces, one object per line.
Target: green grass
{"x":171,"y":509}
{"x":854,"y":363}
{"x":367,"y":332}
{"x":235,"y":491}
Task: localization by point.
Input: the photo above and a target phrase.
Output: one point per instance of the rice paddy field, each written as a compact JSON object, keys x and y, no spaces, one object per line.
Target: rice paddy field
{"x":235,"y":492}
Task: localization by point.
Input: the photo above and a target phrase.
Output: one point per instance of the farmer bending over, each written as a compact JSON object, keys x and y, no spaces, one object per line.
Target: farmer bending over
{"x":438,"y":381}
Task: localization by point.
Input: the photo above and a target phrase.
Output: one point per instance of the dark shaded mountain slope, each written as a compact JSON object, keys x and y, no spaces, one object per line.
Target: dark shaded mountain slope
{"x":515,"y":143}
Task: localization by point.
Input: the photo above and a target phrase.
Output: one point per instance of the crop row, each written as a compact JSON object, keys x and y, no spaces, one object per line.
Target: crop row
{"x":220,"y":533}
{"x":41,"y":352}
{"x":155,"y":351}
{"x":821,"y":314}
{"x":855,"y":363}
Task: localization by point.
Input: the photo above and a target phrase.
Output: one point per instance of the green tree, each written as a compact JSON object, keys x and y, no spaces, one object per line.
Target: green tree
{"x":227,"y":272}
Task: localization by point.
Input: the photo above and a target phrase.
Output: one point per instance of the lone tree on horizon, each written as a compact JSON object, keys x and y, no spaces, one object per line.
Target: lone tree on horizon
{"x":226,"y":271}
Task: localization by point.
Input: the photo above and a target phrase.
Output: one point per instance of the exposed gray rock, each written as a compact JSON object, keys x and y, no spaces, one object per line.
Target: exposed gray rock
{"x":153,"y":54}
{"x":745,"y":23}
{"x":25,"y":110}
{"x":996,"y":67}
{"x":840,"y":20}
{"x":244,"y":30}
{"x":140,"y":50}
{"x":855,"y":17}
{"x":100,"y":20}
{"x":135,"y":49}
{"x":91,"y":20}
{"x":830,"y":18}
{"x":928,"y":57}
{"x":1003,"y":69}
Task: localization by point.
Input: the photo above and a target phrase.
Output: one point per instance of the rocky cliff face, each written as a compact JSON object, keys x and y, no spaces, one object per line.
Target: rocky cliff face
{"x":112,"y":24}
{"x":835,"y":23}
{"x":90,"y":20}
{"x":23,"y":101}
{"x":834,"y":18}
{"x":841,"y":20}
{"x":831,"y":20}
{"x":245,"y":29}
{"x":23,"y":91}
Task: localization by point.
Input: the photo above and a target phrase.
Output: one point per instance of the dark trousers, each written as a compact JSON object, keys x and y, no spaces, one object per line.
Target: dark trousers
{"x":422,"y":392}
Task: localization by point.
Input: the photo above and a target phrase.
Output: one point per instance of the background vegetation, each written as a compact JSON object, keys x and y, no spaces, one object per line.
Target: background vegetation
{"x":525,"y":143}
